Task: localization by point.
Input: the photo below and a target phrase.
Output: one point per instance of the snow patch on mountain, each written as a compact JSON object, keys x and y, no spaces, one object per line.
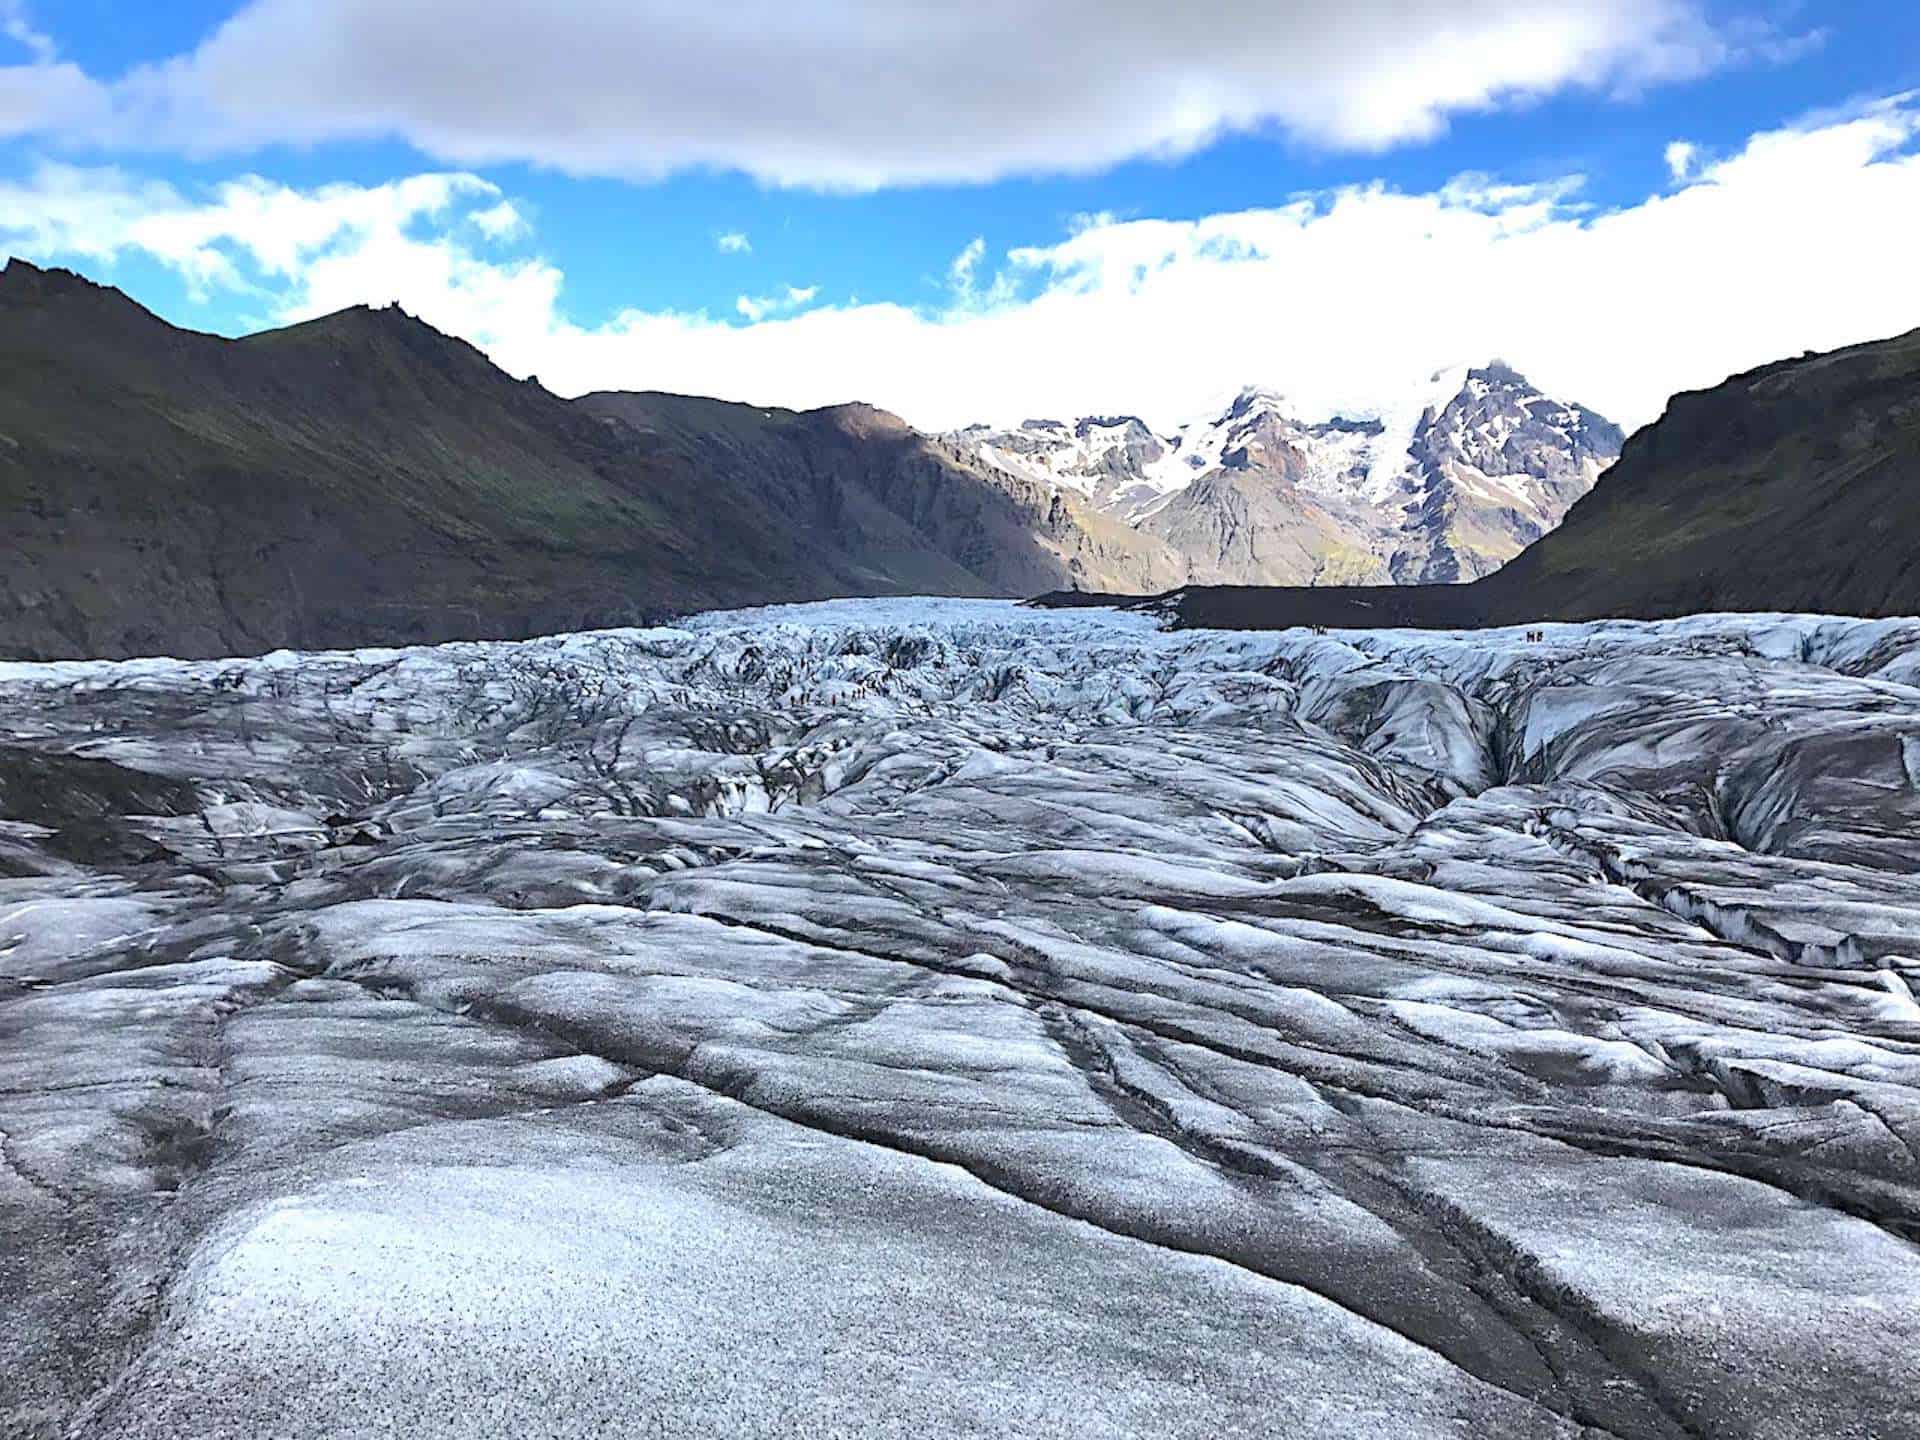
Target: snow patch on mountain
{"x":1442,"y":480}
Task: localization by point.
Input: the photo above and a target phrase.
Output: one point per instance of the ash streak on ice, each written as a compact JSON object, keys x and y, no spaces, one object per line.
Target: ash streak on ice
{"x":943,"y":1018}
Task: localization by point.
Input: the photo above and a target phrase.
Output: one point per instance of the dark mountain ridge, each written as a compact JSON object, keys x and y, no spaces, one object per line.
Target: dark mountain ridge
{"x":362,"y":479}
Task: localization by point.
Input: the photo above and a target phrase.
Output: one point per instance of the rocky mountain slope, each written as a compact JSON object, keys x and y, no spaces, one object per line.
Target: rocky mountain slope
{"x":363,"y":479}
{"x":1794,"y":486}
{"x":1445,"y":485}
{"x":889,"y":493}
{"x":908,"y":1019}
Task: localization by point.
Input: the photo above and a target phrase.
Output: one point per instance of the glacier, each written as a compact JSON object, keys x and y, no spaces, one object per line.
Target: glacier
{"x":927,"y":1017}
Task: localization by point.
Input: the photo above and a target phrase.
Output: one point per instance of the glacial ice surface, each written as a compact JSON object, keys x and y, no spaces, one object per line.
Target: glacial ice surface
{"x":935,"y":1018}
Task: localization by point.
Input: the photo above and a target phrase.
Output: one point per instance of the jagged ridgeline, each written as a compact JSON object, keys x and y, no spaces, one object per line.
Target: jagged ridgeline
{"x":1447,"y":483}
{"x":362,"y":479}
{"x":1794,"y":487}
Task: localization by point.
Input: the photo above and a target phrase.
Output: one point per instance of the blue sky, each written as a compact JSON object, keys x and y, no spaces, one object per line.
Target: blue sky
{"x":860,"y":180}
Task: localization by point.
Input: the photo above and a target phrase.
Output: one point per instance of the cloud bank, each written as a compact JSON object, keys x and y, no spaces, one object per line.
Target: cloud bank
{"x":1802,"y":239}
{"x":862,"y":94}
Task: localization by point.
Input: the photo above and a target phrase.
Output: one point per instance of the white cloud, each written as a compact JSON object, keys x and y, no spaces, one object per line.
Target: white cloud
{"x":960,"y":272}
{"x":733,"y":242}
{"x":504,"y":221}
{"x":46,"y":93}
{"x":1800,"y":240}
{"x":760,"y":307}
{"x":18,"y":27}
{"x":965,"y":294}
{"x":919,"y":93}
{"x":1680,"y":157}
{"x":299,"y":253}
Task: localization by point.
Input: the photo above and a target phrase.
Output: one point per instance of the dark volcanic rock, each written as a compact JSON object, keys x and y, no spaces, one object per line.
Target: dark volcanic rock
{"x":51,"y":788}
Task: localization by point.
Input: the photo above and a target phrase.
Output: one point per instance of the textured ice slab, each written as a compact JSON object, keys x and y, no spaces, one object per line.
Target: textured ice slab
{"x":942,"y":1018}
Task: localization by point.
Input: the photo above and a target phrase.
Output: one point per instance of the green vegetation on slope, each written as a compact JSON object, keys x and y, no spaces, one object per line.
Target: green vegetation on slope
{"x":363,"y":479}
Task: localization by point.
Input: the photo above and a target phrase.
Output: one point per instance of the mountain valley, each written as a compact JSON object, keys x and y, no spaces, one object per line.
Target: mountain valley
{"x":362,"y":479}
{"x":1795,"y":486}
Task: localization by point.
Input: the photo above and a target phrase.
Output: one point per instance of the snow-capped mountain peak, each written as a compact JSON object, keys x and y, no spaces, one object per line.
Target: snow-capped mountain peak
{"x":1114,"y":461}
{"x":1443,"y":480}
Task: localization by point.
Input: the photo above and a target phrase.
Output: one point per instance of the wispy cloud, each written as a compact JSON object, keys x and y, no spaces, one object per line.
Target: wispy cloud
{"x":500,"y":222}
{"x":733,"y":242}
{"x":16,"y":25}
{"x":960,"y":272}
{"x":46,"y":95}
{"x":760,"y":307}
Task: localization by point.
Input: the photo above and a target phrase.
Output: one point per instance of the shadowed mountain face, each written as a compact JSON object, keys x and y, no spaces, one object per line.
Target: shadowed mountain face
{"x":859,"y":478}
{"x":1791,"y":487}
{"x":363,"y":479}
